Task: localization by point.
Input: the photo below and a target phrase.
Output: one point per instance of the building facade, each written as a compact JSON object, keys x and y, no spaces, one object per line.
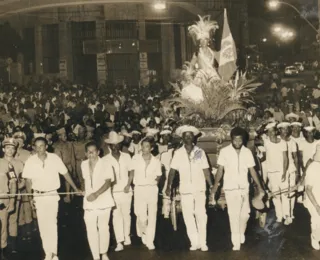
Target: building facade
{"x":114,"y":42}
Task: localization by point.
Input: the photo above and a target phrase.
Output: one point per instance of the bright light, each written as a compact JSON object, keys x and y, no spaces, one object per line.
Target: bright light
{"x":273,"y":4}
{"x":264,"y":39}
{"x":160,"y":5}
{"x":290,"y":34}
{"x":277,"y":29}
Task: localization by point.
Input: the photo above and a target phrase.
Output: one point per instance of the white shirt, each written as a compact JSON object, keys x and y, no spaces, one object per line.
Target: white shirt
{"x":274,"y":155}
{"x":135,"y":148}
{"x":292,"y":148}
{"x":190,"y":169}
{"x":145,"y":175}
{"x":120,"y":170}
{"x":102,"y":172}
{"x":236,"y":167}
{"x":297,"y":140}
{"x":44,"y":175}
{"x":308,"y":150}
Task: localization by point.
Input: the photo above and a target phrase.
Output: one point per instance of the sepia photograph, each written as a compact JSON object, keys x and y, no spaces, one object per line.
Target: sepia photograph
{"x":159,"y":129}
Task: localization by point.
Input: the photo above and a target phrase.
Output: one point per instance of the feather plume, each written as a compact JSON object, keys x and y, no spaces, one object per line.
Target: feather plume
{"x":202,"y":28}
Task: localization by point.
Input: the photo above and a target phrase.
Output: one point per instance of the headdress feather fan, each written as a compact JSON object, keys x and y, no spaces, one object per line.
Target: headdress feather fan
{"x":202,"y":28}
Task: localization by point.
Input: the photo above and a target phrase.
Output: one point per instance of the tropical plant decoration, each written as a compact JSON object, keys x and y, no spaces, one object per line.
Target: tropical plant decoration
{"x":205,"y":101}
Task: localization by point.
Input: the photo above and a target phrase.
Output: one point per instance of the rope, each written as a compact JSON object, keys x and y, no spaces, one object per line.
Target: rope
{"x":47,"y":194}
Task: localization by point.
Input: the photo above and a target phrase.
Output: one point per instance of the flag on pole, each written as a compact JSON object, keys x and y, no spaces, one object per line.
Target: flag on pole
{"x":228,"y":52}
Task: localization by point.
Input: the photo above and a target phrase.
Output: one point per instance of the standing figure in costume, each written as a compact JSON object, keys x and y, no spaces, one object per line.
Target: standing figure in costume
{"x":235,"y":161}
{"x":193,"y":167}
{"x":205,"y":56}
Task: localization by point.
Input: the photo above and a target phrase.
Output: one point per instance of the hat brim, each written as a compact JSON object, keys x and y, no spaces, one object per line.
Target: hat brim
{"x":119,"y":139}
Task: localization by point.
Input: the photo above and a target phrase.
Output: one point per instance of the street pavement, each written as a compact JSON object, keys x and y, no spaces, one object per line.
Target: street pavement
{"x":274,"y":241}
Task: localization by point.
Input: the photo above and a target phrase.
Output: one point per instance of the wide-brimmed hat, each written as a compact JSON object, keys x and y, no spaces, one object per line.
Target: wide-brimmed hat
{"x":125,"y":133}
{"x":187,"y":128}
{"x":19,"y":134}
{"x":292,"y":115}
{"x":10,"y":141}
{"x":296,"y":124}
{"x":114,"y":138}
{"x":135,"y":132}
{"x":165,"y":132}
{"x":283,"y":125}
{"x":270,"y":125}
{"x":309,"y":128}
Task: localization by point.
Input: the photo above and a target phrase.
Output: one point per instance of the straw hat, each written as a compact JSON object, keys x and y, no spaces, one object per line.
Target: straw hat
{"x":114,"y":138}
{"x":187,"y":128}
{"x":292,"y":115}
{"x":283,"y":125}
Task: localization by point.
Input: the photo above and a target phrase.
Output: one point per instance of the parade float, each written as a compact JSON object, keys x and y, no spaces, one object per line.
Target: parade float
{"x":210,"y":98}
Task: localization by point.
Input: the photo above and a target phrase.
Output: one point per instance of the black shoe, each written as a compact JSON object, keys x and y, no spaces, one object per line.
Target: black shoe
{"x":4,"y":254}
{"x":13,"y":245}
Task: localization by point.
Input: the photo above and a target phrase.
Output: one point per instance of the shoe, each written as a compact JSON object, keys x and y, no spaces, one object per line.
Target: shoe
{"x":119,"y":247}
{"x":315,"y":243}
{"x":204,"y":248}
{"x":279,"y":220}
{"x":104,"y":257}
{"x":236,"y":248}
{"x":55,"y":258}
{"x":151,"y":247}
{"x":242,"y":239}
{"x":127,"y":241}
{"x":194,"y":248}
{"x":288,"y":221}
{"x":48,"y":257}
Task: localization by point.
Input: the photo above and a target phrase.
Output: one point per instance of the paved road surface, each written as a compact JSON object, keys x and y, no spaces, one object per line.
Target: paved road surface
{"x":271,"y":243}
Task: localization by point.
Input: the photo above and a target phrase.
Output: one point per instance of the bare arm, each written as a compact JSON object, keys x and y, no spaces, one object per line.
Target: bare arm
{"x":207,"y":175}
{"x":103,"y":188}
{"x":217,"y":179}
{"x":285,"y":164}
{"x":70,"y":181}
{"x":130,"y":179}
{"x":172,"y":173}
{"x":255,"y":178}
{"x":296,"y":163}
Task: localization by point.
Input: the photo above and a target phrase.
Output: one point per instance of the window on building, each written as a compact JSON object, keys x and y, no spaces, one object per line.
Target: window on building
{"x":124,"y":29}
{"x":50,"y":45}
{"x":84,"y":65}
{"x":153,"y":30}
{"x":177,"y":45}
{"x":29,"y":51}
{"x":123,"y":68}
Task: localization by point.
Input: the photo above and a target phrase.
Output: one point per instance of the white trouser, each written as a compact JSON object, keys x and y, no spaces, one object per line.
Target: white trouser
{"x":121,"y":215}
{"x":238,"y":211}
{"x":145,"y":208}
{"x":98,"y":233}
{"x":281,"y":202}
{"x":315,"y":221}
{"x":195,"y":217}
{"x":290,"y":199}
{"x":47,"y":213}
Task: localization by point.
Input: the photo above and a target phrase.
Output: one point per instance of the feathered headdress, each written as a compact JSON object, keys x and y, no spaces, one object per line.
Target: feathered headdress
{"x":202,"y":28}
